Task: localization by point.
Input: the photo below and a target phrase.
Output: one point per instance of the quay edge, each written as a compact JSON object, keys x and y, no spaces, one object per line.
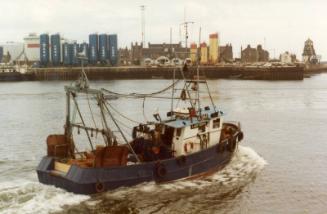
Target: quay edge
{"x":139,"y":72}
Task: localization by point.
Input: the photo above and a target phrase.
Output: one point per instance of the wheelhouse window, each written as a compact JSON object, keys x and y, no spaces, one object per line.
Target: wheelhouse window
{"x":216,"y":123}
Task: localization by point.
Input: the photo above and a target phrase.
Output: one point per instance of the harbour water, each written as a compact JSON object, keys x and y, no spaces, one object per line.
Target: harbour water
{"x":279,"y":168}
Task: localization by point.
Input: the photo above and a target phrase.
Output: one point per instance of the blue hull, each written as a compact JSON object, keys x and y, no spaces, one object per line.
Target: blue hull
{"x":94,"y":180}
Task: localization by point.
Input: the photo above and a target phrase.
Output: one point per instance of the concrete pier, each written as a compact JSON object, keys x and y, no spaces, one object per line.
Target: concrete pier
{"x":139,"y":72}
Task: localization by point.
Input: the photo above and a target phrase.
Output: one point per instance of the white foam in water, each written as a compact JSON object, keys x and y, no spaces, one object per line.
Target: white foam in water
{"x":32,"y":197}
{"x":244,"y":167}
{"x":245,"y":164}
{"x":165,"y":198}
{"x":22,"y":196}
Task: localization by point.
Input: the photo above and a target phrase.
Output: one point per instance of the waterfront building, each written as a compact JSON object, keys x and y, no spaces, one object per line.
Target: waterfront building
{"x":194,"y":53}
{"x":287,"y":58}
{"x":84,"y":49}
{"x":156,"y":50}
{"x":55,"y":49}
{"x":309,"y":53}
{"x":204,"y":53}
{"x":44,"y":49}
{"x":32,"y":47}
{"x":153,"y":51}
{"x":136,"y":53}
{"x":113,"y":49}
{"x":67,"y":49}
{"x":226,"y":53}
{"x":93,"y":48}
{"x":263,"y":55}
{"x":249,"y":55}
{"x":74,"y":53}
{"x":213,"y":48}
{"x":1,"y":54}
{"x":252,"y":55}
{"x":103,"y":48}
{"x":124,"y":55}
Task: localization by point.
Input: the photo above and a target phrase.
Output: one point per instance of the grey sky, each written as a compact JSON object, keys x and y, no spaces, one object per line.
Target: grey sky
{"x":285,"y":24}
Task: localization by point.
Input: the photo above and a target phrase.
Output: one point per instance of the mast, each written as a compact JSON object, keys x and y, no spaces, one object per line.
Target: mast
{"x":108,"y":131}
{"x":143,"y":24}
{"x":198,"y":75}
{"x":185,"y":25}
{"x":82,"y":86}
{"x":68,"y":131}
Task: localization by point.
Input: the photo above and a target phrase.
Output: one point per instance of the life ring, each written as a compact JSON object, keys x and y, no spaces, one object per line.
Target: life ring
{"x":188,"y":147}
{"x":181,"y":160}
{"x":160,"y":170}
{"x":99,"y":187}
{"x":240,"y":136}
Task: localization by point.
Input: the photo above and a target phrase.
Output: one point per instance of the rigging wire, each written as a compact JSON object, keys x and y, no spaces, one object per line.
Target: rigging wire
{"x":145,"y":118}
{"x":140,"y":95}
{"x":124,"y":124}
{"x":134,"y":121}
{"x":88,"y":102}
{"x":72,"y":128}
{"x":82,"y":120}
{"x":123,"y":135}
{"x":126,"y":132}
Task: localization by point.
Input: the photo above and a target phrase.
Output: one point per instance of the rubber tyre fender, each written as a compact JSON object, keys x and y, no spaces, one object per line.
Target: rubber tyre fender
{"x":160,"y":170}
{"x":99,"y":187}
{"x":240,"y":136}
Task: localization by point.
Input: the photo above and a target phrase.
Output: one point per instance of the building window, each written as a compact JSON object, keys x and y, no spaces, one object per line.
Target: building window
{"x":216,"y":123}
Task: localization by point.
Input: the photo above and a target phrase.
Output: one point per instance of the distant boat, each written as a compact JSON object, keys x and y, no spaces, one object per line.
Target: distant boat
{"x":189,"y":142}
{"x":9,"y":73}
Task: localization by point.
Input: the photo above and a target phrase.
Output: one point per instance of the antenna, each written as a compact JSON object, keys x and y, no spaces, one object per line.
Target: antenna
{"x":143,"y":24}
{"x":199,"y":48}
{"x":185,"y":25}
{"x":171,"y":41}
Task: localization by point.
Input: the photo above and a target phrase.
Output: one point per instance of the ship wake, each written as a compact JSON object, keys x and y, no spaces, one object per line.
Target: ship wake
{"x":209,"y":193}
{"x":23,"y":196}
{"x":205,"y":194}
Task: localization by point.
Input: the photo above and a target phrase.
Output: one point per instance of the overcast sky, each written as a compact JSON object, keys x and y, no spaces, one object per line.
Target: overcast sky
{"x":280,"y":25}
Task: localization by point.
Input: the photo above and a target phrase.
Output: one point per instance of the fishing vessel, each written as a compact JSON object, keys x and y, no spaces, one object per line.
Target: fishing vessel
{"x":189,"y":141}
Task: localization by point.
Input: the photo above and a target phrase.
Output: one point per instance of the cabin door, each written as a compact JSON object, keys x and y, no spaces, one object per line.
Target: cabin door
{"x":204,"y":140}
{"x":168,"y":135}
